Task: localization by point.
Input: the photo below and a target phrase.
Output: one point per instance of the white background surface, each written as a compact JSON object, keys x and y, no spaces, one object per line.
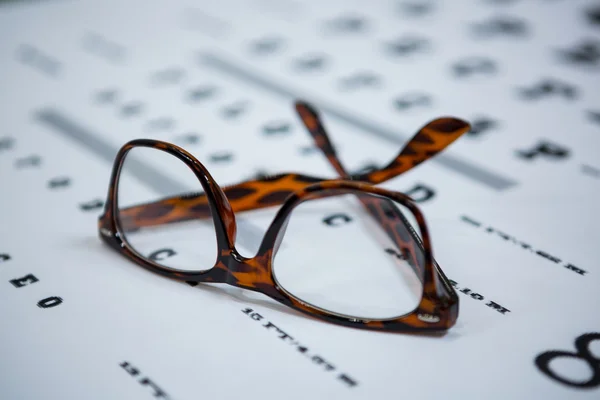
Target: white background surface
{"x":196,"y":341}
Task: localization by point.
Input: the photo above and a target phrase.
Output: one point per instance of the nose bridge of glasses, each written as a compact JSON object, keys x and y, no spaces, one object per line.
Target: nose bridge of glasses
{"x":249,"y":273}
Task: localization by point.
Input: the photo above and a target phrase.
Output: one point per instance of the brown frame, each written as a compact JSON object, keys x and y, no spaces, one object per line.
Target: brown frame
{"x":438,"y":308}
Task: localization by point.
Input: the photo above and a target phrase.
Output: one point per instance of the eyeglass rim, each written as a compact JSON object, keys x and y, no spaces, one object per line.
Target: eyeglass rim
{"x":225,"y":229}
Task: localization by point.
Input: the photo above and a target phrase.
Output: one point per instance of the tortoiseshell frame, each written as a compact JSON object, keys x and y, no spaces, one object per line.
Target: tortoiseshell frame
{"x":438,"y":308}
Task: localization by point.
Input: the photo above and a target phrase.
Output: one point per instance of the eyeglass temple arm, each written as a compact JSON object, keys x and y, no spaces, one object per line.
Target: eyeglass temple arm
{"x":273,"y":190}
{"x":431,"y":139}
{"x":254,"y":194}
{"x":428,"y":141}
{"x":375,"y":207}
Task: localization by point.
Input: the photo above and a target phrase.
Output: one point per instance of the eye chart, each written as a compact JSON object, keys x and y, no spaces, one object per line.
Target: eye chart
{"x":512,"y":206}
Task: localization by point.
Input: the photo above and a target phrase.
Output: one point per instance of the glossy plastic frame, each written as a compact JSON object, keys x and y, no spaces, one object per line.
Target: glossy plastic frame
{"x":438,"y":308}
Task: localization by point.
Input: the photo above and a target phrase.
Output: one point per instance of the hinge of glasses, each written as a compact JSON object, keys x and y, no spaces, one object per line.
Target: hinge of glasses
{"x":428,"y":318}
{"x":106,"y":232}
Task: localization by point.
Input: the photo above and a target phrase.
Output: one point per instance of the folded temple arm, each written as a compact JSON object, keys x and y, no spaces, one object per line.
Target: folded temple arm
{"x":428,"y":141}
{"x":273,"y":190}
{"x":249,"y":195}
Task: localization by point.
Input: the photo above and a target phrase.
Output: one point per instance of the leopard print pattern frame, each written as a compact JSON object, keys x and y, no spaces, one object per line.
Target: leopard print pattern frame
{"x":273,"y":190}
{"x":438,"y":308}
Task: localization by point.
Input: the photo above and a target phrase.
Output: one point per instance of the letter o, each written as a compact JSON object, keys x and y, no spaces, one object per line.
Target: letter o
{"x":50,"y":302}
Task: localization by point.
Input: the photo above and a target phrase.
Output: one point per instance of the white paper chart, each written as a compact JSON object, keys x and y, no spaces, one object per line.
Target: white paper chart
{"x":512,"y":206}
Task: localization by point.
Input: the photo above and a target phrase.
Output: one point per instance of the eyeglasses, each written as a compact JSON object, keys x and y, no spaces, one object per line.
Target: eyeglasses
{"x":340,"y":250}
